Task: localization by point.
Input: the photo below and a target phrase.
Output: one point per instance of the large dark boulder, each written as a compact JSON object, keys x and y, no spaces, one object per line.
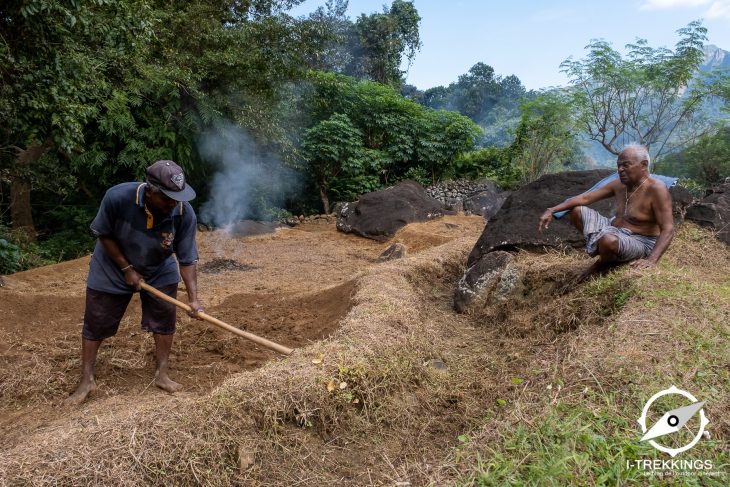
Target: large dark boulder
{"x":515,"y":224}
{"x":380,"y":214}
{"x":713,"y":211}
{"x":487,"y":201}
{"x":491,"y":274}
{"x":681,"y":200}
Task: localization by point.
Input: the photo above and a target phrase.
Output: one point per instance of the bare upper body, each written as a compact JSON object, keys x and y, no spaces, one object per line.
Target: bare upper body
{"x":643,"y":204}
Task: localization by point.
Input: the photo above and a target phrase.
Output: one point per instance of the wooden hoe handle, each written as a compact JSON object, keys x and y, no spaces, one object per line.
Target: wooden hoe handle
{"x":220,"y":324}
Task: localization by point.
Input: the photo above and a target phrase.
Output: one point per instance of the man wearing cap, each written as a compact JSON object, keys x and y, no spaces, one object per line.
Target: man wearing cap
{"x":139,"y":227}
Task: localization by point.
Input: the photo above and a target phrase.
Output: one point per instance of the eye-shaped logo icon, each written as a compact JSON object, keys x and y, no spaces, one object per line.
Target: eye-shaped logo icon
{"x":672,"y":421}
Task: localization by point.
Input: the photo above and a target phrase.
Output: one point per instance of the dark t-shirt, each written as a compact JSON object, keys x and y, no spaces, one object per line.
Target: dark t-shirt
{"x":122,"y":216}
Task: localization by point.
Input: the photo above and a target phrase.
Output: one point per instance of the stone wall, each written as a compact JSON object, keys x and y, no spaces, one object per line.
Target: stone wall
{"x":481,"y":197}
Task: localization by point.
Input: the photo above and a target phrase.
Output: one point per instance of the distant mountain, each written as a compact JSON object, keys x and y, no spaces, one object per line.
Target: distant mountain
{"x":715,"y":58}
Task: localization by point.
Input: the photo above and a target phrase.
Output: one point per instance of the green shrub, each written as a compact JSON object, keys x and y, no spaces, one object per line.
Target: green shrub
{"x":697,"y":190}
{"x":489,"y":162}
{"x":65,"y":234}
{"x":10,"y":256}
{"x":17,"y":255}
{"x":419,"y":175}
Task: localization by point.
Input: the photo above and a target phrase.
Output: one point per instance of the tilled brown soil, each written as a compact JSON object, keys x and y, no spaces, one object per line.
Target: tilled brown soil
{"x":292,"y":287}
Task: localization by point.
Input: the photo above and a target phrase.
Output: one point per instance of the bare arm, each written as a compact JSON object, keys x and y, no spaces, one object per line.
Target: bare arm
{"x":131,"y":276}
{"x":662,"y":207}
{"x":581,"y":200}
{"x":189,"y":275}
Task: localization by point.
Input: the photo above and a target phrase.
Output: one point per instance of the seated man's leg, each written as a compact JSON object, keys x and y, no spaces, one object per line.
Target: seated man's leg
{"x":588,"y":221}
{"x":576,"y":217}
{"x":608,"y":248}
{"x":632,"y":246}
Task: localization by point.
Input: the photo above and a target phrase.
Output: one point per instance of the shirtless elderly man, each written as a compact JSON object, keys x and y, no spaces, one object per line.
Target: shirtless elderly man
{"x":643,"y":226}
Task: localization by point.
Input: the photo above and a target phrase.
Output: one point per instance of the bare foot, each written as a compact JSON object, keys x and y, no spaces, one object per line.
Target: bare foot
{"x":594,"y":269}
{"x":166,"y":384}
{"x":79,"y":396}
{"x":598,"y":267}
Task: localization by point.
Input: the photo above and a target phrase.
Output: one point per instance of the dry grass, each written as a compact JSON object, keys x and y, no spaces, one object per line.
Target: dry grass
{"x":282,"y":412}
{"x":582,"y":387}
{"x":512,"y":372}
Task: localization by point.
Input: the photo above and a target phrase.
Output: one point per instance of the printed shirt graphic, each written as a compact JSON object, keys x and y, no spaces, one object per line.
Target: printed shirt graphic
{"x":122,"y":216}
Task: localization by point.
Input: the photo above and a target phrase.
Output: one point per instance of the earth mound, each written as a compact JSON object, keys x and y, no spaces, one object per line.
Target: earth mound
{"x":403,"y":391}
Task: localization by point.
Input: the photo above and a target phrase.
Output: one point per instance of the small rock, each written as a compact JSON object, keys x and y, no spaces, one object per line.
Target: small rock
{"x":245,"y":459}
{"x":395,"y":251}
{"x":494,"y":278}
{"x":437,"y":363}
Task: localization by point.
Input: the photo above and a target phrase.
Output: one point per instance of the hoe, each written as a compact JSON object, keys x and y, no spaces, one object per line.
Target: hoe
{"x":220,"y":324}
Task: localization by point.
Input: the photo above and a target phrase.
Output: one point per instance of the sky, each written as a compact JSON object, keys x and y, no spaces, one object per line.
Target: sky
{"x":531,"y":38}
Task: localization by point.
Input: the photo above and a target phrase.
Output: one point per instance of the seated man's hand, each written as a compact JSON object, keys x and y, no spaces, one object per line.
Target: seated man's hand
{"x":545,"y":220}
{"x":196,"y":308}
{"x":642,"y":264}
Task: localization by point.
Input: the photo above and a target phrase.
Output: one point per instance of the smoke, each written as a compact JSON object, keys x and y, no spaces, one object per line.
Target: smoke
{"x":249,"y":183}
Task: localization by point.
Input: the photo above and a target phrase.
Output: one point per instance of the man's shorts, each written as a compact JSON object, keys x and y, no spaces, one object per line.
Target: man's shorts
{"x":631,"y":246}
{"x":104,"y":311}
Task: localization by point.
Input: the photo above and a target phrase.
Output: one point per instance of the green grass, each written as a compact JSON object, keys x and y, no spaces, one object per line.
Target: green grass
{"x":578,"y":445}
{"x":587,"y":439}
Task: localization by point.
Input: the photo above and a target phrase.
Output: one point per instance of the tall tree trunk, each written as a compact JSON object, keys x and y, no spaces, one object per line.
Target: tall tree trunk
{"x":20,"y":186}
{"x":325,"y":199}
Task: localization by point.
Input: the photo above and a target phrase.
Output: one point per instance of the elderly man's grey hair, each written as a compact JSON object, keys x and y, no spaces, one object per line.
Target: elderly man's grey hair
{"x":640,"y":151}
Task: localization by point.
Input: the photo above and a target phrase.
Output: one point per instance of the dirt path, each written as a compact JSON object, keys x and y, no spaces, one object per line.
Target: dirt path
{"x":292,"y":286}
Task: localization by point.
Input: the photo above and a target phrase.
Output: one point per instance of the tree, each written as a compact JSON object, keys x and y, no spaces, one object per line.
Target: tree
{"x":60,"y":61}
{"x":442,"y":137}
{"x":383,"y":40}
{"x":707,"y":161}
{"x":545,"y":136}
{"x":644,"y":97}
{"x":397,"y":135}
{"x":97,"y":90}
{"x":490,"y":100}
{"x":333,"y":147}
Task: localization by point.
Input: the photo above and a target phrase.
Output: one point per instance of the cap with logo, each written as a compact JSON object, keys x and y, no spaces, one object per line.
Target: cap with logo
{"x":170,"y":179}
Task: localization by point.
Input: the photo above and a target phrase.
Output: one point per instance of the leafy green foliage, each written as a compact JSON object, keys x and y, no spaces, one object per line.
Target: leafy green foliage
{"x":640,"y":98}
{"x":367,"y":135}
{"x":488,"y":99}
{"x":10,"y":254}
{"x":545,"y":136}
{"x":489,"y":162}
{"x":370,"y":48}
{"x":334,"y":146}
{"x":707,"y":161}
{"x":61,"y":60}
{"x":67,"y":234}
{"x":443,"y":137}
{"x":385,"y":38}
